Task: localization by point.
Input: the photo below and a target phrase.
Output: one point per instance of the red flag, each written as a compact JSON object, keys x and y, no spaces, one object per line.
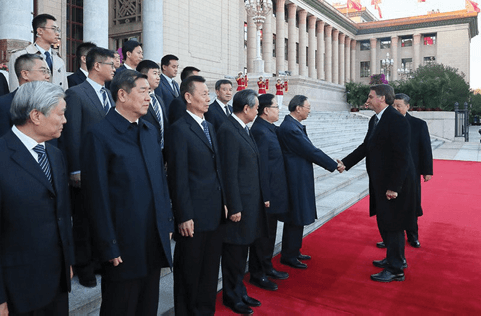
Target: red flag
{"x":354,"y":4}
{"x":376,"y":3}
{"x":421,"y":0}
{"x":472,"y":6}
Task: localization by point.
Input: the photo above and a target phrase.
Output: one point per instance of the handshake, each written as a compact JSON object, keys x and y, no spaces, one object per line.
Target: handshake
{"x":340,"y":166}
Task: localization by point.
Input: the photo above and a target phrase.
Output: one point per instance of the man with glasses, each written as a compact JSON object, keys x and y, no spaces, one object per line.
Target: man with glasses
{"x":87,"y":104}
{"x":28,"y":67}
{"x":46,"y":33}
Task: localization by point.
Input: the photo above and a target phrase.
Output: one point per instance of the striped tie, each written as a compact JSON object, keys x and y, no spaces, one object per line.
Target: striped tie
{"x":156,"y":107}
{"x":43,"y":161}
{"x":206,"y":131}
{"x":106,"y":103}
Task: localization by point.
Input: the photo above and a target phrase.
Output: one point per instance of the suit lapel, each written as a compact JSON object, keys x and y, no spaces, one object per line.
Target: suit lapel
{"x":196,"y":129}
{"x":168,"y":86}
{"x":92,"y":95}
{"x":243,"y":133}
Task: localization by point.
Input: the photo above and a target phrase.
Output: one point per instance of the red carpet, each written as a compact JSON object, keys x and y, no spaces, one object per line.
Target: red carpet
{"x":443,"y":277}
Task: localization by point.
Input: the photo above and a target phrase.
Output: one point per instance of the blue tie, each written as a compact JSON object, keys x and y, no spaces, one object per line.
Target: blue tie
{"x":156,"y":107}
{"x":43,"y":161}
{"x":48,"y":59}
{"x":247,"y":130}
{"x":105,"y":104}
{"x":206,"y":131}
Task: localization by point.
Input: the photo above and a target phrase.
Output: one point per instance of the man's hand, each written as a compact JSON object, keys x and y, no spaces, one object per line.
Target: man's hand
{"x":75,"y":180}
{"x":116,"y":261}
{"x":3,"y":309}
{"x":236,"y":217}
{"x":71,"y":273}
{"x":391,"y":194}
{"x":427,"y":177}
{"x":267,"y":204}
{"x":340,"y":166}
{"x":186,"y":229}
{"x":226,"y":211}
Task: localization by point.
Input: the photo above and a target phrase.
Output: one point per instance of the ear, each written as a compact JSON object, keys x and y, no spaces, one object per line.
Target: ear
{"x":122,"y":95}
{"x":35,"y":117}
{"x":188,"y":97}
{"x":24,"y":75}
{"x":128,"y":55}
{"x":246,"y":108}
{"x":83,"y":59}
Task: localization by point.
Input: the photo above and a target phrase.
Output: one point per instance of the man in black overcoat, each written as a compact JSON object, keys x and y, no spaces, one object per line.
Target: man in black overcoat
{"x":390,"y":167}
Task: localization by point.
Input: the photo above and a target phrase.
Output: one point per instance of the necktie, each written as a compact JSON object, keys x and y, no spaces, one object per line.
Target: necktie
{"x":376,"y":120}
{"x":48,"y":59}
{"x":176,"y":88}
{"x":43,"y":161}
{"x":156,"y":107}
{"x":206,"y":131}
{"x":228,"y":110}
{"x":105,"y":103}
{"x":247,"y":130}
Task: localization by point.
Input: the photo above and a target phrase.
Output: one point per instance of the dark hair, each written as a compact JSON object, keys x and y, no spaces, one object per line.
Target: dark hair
{"x":402,"y":96}
{"x":265,"y":101}
{"x":129,"y":46}
{"x":145,"y":65}
{"x":187,"y":72}
{"x":297,"y":100}
{"x":165,"y":61}
{"x":384,"y":90}
{"x":188,"y":84}
{"x":221,"y":82}
{"x":125,"y":80}
{"x":40,"y":21}
{"x":25,"y":62}
{"x":242,"y":98}
{"x":97,"y":54}
{"x":83,"y":49}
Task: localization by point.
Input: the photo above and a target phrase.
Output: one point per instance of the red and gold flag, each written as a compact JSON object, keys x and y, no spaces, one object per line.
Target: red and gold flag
{"x":472,"y":6}
{"x":376,"y":3}
{"x":421,"y":0}
{"x":354,"y":4}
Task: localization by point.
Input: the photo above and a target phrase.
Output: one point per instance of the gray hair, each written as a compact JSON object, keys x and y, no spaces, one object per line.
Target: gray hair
{"x":297,"y":100}
{"x":243,"y":98}
{"x":36,"y":95}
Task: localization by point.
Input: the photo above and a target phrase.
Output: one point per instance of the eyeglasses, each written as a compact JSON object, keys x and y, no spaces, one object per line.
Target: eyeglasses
{"x":111,"y":64}
{"x":53,"y":28}
{"x":274,"y":107}
{"x":45,"y":71}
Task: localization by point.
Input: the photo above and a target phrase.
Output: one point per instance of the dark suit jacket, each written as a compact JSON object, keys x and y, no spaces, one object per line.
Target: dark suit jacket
{"x":216,"y":115}
{"x":177,"y":109}
{"x":164,"y":90}
{"x":127,"y":197}
{"x":152,"y":117}
{"x":194,"y":175}
{"x":390,"y":167}
{"x":241,"y":176}
{"x":76,"y":78}
{"x":421,"y":152}
{"x":36,"y":246}
{"x":3,"y":85}
{"x":272,"y":166}
{"x":83,"y":110}
{"x":299,"y":155}
{"x":5,"y":116}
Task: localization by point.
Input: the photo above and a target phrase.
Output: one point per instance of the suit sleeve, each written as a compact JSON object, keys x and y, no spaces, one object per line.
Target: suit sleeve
{"x":425,"y":151}
{"x":71,"y":135}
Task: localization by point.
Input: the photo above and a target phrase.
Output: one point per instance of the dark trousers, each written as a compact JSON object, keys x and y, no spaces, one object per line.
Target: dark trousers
{"x":196,"y":271}
{"x":394,"y":241}
{"x":262,"y":249}
{"x":139,"y":297}
{"x":412,"y":235}
{"x":234,"y":259}
{"x":291,"y":241}
{"x":57,"y":307}
{"x":80,"y":228}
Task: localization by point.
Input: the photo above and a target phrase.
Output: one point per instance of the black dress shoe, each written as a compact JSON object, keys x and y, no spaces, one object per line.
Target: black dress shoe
{"x":279,"y":275}
{"x":86,"y":276}
{"x":386,"y":276}
{"x":384,"y":264}
{"x":303,"y":257}
{"x":240,"y":308}
{"x":380,"y":244}
{"x":250,"y":301}
{"x":263,"y":283}
{"x":415,"y":243}
{"x":294,"y":263}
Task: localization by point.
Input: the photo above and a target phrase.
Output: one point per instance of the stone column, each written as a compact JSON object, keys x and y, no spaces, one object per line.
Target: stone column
{"x":353,"y":60}
{"x":342,"y":58}
{"x":16,"y":20}
{"x":96,"y":22}
{"x":280,"y":36}
{"x":291,"y":38}
{"x":417,"y":51}
{"x":152,"y":29}
{"x":302,"y":42}
{"x":395,"y":57}
{"x":251,"y":44}
{"x":374,"y":60}
{"x":348,"y":59}
{"x":267,"y":44}
{"x":312,"y":46}
{"x":320,"y":50}
{"x":328,"y":40}
{"x":335,"y":56}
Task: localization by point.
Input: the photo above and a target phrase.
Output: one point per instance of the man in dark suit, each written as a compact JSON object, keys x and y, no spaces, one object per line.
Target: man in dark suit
{"x":28,"y":67}
{"x":197,"y":199}
{"x":87,"y":104}
{"x":275,"y":191}
{"x":133,"y":55}
{"x":178,"y":105}
{"x":219,"y":110}
{"x":128,"y":200}
{"x":299,"y":155}
{"x":3,"y":85}
{"x":246,"y":214}
{"x":168,"y":89}
{"x":82,"y":72}
{"x":391,"y":178}
{"x":36,"y":236}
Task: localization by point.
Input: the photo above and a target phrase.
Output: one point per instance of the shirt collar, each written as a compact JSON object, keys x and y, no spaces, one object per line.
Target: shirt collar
{"x":136,"y":121}
{"x":169,"y":80}
{"x":128,"y":67}
{"x":43,"y":50}
{"x":239,"y":120}
{"x":27,"y":141}
{"x":196,"y":118}
{"x":380,"y":113}
{"x":95,"y":85}
{"x":86,"y":73}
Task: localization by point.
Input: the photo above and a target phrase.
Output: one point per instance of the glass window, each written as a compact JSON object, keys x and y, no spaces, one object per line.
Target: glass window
{"x":407,"y":63}
{"x":297,"y":53}
{"x":365,"y":45}
{"x":273,"y":45}
{"x":385,"y":43}
{"x":286,"y":48}
{"x":429,"y":60}
{"x":365,"y":69}
{"x":429,"y":39}
{"x":407,"y":41}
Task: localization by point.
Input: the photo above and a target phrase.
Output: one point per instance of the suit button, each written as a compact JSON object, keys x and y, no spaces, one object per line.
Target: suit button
{"x":218,"y":188}
{"x":59,"y":219}
{"x":114,"y":241}
{"x":171,"y":219}
{"x":213,"y":156}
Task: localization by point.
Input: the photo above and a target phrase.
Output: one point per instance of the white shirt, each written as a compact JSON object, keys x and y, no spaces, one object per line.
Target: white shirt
{"x":169,"y":80}
{"x":197,"y":119}
{"x":43,"y":52}
{"x":97,"y":87}
{"x":380,"y":113}
{"x":128,"y":67}
{"x":27,"y":141}
{"x":222,"y":105}
{"x":239,"y":120}
{"x":86,"y":73}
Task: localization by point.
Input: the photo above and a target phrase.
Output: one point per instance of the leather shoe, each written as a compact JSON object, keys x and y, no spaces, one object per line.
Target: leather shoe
{"x":240,"y":308}
{"x":415,"y":243}
{"x":303,"y":257}
{"x":384,"y":264}
{"x":386,"y":276}
{"x":279,"y":275}
{"x":263,"y":283}
{"x":250,"y":301}
{"x":86,"y":276}
{"x":380,"y":244}
{"x":294,"y":263}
